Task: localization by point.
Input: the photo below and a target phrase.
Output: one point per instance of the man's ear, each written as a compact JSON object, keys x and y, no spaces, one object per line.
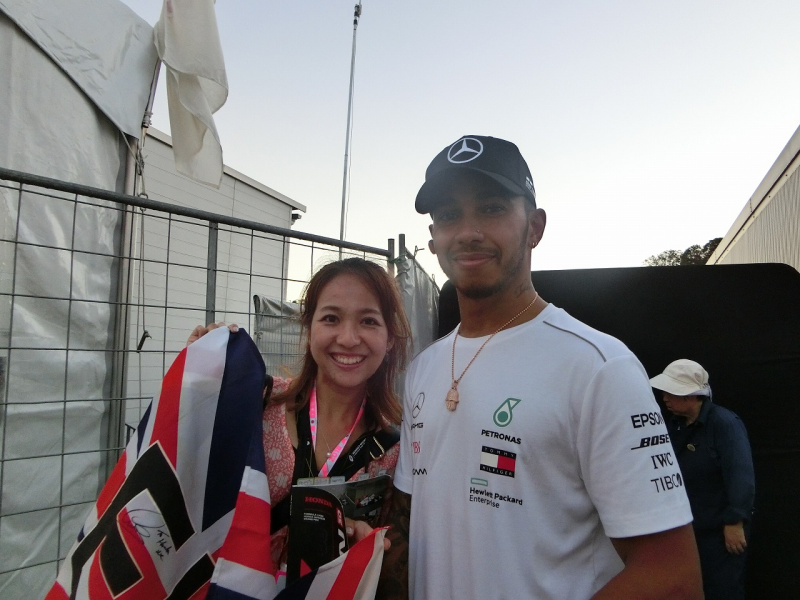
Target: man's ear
{"x":537,"y":219}
{"x":431,"y":247}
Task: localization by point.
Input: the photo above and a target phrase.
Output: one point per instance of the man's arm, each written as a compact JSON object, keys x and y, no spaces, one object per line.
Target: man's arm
{"x":738,"y":475}
{"x":658,"y":566}
{"x":393,"y":584}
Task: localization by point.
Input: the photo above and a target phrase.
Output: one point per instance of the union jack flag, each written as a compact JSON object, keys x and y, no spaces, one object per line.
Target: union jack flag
{"x":185,"y":515}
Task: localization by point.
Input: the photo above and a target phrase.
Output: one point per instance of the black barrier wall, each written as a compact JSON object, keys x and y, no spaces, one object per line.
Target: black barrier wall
{"x":742,"y":323}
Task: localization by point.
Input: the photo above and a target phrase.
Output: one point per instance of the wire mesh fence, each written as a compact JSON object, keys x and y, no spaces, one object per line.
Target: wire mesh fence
{"x":98,"y":294}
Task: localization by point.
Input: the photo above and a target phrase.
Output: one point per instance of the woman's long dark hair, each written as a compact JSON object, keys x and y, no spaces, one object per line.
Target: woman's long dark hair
{"x":383,"y":408}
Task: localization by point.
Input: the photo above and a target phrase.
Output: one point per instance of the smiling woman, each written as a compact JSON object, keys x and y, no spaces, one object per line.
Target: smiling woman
{"x":349,"y":338}
{"x":339,"y":416}
{"x":346,"y":300}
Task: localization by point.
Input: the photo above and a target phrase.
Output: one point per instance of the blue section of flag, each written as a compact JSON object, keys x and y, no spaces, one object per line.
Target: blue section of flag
{"x":140,"y":431}
{"x":240,"y":402}
{"x":216,"y":592}
{"x":299,"y":589}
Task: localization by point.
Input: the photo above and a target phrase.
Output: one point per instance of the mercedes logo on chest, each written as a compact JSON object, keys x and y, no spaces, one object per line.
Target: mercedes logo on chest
{"x":465,"y":150}
{"x":418,"y":402}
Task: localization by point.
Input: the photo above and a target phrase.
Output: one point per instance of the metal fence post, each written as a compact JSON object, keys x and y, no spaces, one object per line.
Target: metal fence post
{"x":390,"y":261}
{"x":211,"y":272}
{"x":119,"y":368}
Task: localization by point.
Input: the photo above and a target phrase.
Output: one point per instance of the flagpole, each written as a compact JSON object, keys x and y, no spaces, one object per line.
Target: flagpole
{"x":356,"y":15}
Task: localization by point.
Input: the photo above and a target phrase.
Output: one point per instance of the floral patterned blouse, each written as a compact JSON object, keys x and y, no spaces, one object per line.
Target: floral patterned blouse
{"x":279,"y":454}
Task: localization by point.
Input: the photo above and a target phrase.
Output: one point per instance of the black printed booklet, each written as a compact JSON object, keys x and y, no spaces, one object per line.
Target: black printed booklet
{"x":319,"y":506}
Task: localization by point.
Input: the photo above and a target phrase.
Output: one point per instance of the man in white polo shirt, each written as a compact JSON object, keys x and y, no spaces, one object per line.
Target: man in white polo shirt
{"x":532,"y":446}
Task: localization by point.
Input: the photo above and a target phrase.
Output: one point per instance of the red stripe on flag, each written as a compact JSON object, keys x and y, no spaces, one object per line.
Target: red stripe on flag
{"x":506,"y":463}
{"x":356,"y":561}
{"x":57,"y":593}
{"x":98,"y":589}
{"x":201,"y":593}
{"x":149,"y":586}
{"x":248,"y":540}
{"x":165,"y":427}
{"x":304,"y":568}
{"x":112,"y":486}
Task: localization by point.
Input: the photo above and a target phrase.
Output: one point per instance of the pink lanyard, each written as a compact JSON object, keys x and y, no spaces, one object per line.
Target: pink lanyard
{"x":312,"y":418}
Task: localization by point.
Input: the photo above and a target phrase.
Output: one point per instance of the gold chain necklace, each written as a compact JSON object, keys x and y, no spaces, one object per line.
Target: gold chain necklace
{"x":324,"y":439}
{"x":451,"y":400}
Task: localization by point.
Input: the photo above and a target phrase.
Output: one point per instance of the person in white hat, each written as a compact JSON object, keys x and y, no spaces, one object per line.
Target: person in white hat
{"x":713,"y":452}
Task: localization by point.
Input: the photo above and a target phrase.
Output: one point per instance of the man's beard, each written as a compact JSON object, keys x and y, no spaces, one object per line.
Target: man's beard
{"x":507,"y":277}
{"x":478,"y":292}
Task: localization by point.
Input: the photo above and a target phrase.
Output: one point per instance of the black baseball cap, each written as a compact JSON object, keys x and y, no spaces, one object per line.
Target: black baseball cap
{"x":498,"y":159}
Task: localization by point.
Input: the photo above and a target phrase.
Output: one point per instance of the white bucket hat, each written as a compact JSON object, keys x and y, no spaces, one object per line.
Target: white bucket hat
{"x":683,"y":377}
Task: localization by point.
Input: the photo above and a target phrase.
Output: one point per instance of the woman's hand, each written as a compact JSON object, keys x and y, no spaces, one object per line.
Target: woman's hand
{"x":201,"y":330}
{"x":358,"y":530}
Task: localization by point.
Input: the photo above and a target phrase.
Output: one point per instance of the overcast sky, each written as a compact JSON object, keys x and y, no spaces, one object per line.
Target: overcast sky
{"x":647,"y":125}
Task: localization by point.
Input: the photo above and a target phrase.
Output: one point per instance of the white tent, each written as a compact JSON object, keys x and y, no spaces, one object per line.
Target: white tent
{"x":75,"y":80}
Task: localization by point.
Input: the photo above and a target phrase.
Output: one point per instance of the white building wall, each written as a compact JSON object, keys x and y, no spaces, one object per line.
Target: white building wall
{"x":170,"y":299}
{"x":768,"y":228}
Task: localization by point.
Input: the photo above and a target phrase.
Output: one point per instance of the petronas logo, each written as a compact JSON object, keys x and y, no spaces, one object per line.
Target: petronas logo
{"x":503,"y":415}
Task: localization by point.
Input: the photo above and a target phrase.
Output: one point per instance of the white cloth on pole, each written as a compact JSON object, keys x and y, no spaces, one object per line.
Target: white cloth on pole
{"x":187,"y":41}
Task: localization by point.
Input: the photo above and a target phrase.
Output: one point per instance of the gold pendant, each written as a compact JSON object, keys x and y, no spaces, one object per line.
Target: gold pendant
{"x":451,"y":400}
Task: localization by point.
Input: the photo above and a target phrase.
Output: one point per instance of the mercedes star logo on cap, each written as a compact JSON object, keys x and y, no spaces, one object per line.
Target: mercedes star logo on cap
{"x":465,"y":150}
